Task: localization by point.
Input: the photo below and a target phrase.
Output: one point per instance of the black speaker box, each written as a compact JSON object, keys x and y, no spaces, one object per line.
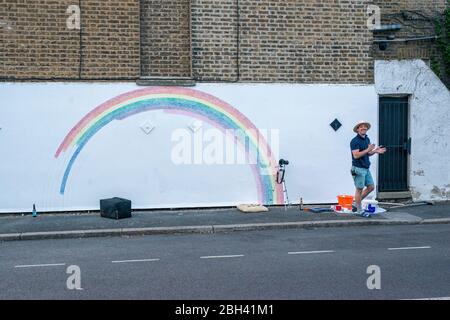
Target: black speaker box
{"x":115,"y":208}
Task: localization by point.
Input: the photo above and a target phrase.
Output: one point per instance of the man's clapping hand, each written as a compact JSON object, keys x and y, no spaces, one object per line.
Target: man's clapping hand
{"x":380,"y":150}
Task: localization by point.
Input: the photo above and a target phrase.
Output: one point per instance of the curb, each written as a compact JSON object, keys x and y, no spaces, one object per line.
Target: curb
{"x":210,"y":229}
{"x":436,"y":221}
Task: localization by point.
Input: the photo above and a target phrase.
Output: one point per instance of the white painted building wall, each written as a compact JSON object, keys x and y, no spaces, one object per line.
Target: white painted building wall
{"x":429,"y":174}
{"x":122,"y":160}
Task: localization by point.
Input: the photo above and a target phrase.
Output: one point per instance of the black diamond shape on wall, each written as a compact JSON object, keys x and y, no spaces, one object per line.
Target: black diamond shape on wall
{"x":335,"y":124}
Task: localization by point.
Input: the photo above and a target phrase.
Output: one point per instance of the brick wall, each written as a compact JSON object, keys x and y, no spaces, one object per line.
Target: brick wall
{"x":306,"y":41}
{"x":35,"y":40}
{"x":110,"y":40}
{"x":413,"y":25}
{"x":37,"y":43}
{"x":302,"y":41}
{"x":214,"y":40}
{"x":165,"y":38}
{"x":323,"y":41}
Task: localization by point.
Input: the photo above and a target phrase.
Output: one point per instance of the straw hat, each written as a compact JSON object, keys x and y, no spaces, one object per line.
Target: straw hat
{"x":355,"y":128}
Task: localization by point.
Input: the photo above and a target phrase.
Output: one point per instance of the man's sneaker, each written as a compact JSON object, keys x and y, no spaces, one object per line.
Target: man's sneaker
{"x":364,"y":214}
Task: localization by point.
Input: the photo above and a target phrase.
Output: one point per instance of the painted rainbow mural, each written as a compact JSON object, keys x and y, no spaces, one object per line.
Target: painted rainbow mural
{"x":184,"y":101}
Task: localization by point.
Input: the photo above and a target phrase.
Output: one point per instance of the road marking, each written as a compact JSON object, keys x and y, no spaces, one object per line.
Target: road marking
{"x":439,"y":298}
{"x":40,"y":265}
{"x":409,"y":248}
{"x":135,"y":260}
{"x":220,"y":257}
{"x":307,"y":252}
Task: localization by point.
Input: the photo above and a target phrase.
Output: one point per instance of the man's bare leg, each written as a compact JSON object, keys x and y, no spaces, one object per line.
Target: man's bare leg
{"x":358,"y":199}
{"x":367,"y":191}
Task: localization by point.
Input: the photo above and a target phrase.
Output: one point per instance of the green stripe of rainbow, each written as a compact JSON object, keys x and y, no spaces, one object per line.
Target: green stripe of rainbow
{"x":181,"y":100}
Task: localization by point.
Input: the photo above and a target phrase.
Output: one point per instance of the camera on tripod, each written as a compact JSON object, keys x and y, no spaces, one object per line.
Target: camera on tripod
{"x":281,"y":171}
{"x":280,"y":179}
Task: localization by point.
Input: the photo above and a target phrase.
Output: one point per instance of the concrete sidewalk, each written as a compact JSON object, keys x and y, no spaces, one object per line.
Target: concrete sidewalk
{"x":78,"y":225}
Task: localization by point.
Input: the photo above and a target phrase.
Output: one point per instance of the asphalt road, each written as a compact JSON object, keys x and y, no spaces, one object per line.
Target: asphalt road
{"x":324,"y":263}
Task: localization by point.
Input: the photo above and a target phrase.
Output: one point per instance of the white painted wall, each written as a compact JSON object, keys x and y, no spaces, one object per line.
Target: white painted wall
{"x":121,"y":160}
{"x":429,"y":124}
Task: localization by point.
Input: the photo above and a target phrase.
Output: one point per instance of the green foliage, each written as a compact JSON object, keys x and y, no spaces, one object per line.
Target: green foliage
{"x":446,"y":42}
{"x":441,"y":64}
{"x":435,"y":66}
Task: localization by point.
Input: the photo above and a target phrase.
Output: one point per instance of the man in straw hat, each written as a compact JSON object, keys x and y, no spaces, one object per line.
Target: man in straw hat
{"x":362,"y":149}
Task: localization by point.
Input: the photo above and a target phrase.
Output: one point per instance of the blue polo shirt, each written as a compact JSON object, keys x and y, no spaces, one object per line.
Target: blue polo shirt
{"x":359,"y":143}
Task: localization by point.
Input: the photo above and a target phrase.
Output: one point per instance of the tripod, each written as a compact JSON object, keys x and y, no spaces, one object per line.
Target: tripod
{"x":280,"y":180}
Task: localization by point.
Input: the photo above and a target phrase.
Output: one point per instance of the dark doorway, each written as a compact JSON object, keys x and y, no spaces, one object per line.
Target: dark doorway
{"x":394,"y":135}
